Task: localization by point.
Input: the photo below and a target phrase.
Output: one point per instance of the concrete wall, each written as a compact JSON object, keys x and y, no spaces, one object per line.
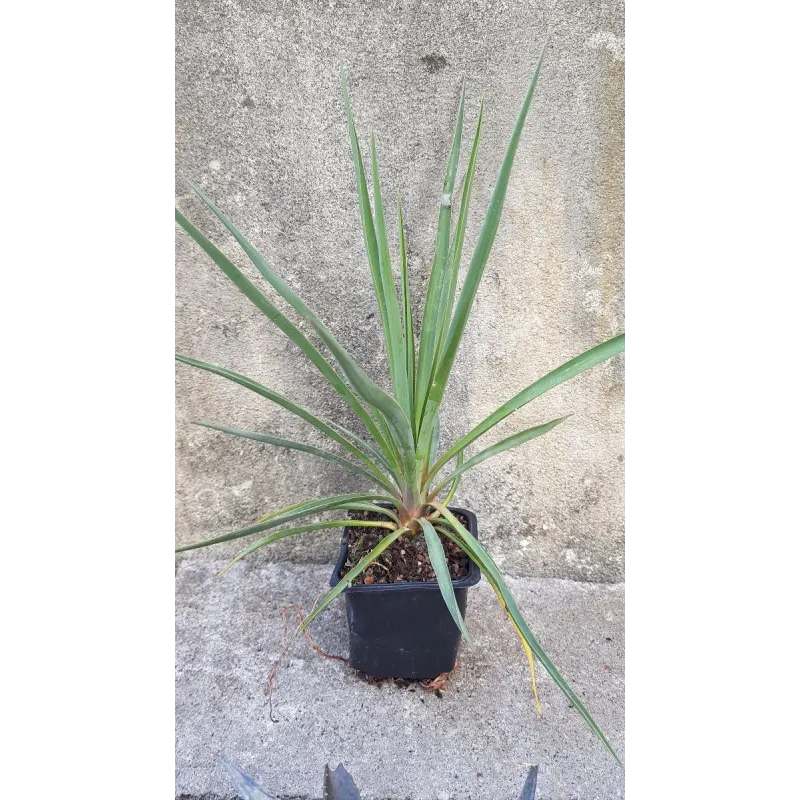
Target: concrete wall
{"x":261,"y":126}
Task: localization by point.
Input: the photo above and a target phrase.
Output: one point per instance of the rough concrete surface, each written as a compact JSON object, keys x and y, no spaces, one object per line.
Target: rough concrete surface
{"x":260,"y":126}
{"x":475,"y":741}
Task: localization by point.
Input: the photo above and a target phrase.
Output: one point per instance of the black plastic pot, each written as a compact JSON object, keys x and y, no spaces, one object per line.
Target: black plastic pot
{"x":404,"y":630}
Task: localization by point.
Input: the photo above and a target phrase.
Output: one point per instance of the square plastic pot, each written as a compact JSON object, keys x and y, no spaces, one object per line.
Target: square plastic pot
{"x":404,"y":630}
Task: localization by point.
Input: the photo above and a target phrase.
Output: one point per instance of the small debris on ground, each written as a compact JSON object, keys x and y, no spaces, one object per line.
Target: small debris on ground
{"x":286,"y":644}
{"x":435,"y":685}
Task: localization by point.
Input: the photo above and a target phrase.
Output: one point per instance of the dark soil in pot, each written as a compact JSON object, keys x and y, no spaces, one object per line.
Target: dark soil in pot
{"x":405,"y":560}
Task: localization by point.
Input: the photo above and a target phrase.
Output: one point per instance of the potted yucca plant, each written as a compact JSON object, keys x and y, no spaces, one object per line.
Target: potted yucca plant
{"x":407,"y":557}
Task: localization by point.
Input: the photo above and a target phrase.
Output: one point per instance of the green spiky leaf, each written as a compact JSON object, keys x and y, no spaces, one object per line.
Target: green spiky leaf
{"x":442,"y":571}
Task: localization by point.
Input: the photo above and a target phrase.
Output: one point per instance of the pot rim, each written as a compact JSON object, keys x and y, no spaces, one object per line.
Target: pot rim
{"x":470,"y":579}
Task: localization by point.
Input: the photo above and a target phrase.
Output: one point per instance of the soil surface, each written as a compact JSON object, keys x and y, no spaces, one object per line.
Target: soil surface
{"x":405,"y":560}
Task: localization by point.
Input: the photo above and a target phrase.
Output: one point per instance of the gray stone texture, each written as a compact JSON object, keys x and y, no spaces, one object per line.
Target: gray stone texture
{"x":475,"y":742}
{"x":260,"y":125}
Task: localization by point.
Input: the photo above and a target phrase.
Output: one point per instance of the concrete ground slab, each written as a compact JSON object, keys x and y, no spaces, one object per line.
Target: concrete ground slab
{"x":475,"y":741}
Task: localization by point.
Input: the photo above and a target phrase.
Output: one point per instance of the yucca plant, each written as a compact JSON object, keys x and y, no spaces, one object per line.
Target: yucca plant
{"x":338,"y":784}
{"x":399,"y":451}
